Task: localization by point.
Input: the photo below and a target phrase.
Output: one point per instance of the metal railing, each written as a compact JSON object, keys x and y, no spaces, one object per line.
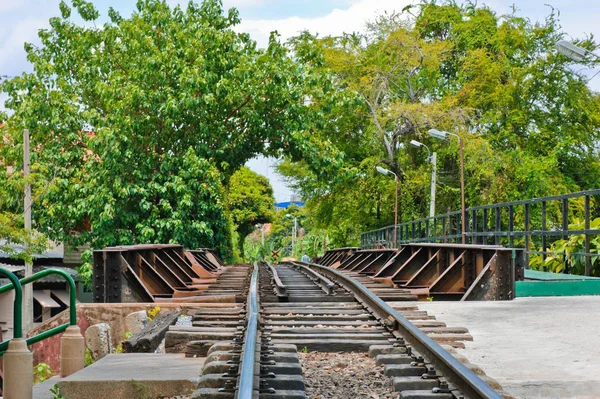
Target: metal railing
{"x":245,"y":388}
{"x":469,"y":383}
{"x":17,"y":284}
{"x":532,"y":224}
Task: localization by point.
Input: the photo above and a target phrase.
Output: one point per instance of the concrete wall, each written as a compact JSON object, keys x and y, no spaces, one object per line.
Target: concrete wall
{"x":48,"y":350}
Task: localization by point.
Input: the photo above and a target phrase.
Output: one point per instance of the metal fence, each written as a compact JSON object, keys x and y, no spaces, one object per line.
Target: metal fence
{"x":533,"y":224}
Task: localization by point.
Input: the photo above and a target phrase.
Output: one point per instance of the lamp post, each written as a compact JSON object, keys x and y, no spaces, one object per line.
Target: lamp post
{"x":386,"y":172}
{"x":431,"y":157}
{"x":443,"y":135}
{"x":572,"y":51}
{"x":27,"y":289}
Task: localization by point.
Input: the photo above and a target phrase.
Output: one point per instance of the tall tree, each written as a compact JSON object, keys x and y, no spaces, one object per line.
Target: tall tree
{"x":529,"y":122}
{"x":250,"y":201}
{"x":141,"y":121}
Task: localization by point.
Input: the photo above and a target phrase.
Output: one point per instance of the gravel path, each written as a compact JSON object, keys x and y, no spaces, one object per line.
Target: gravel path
{"x":344,"y":375}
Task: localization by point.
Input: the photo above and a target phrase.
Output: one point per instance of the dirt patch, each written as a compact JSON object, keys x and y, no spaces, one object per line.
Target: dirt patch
{"x":344,"y":375}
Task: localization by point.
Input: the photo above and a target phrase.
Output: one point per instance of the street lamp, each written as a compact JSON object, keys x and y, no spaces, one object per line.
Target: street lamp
{"x":386,"y":172}
{"x":431,"y":157}
{"x":443,"y":135}
{"x":572,"y":51}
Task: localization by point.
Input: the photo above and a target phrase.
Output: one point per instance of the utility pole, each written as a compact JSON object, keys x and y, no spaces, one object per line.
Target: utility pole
{"x":433,"y":182}
{"x":27,"y":289}
{"x":462,"y":190}
{"x":294,"y":232}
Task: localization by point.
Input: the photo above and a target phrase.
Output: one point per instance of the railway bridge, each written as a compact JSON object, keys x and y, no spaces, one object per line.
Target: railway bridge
{"x":406,"y":315}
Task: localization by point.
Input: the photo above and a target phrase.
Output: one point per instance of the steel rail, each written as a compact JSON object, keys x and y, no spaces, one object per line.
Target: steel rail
{"x":280,"y":288}
{"x":465,"y":380}
{"x":323,"y":282}
{"x":245,"y":388}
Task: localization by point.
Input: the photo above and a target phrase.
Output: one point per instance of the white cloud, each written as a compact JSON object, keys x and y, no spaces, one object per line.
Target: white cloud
{"x":335,"y":23}
{"x":12,"y":53}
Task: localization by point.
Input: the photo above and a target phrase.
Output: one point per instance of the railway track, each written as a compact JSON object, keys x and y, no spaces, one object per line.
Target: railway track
{"x":313,"y":309}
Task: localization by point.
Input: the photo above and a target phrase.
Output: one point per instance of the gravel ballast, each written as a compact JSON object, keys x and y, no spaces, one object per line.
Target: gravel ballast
{"x":344,"y":375}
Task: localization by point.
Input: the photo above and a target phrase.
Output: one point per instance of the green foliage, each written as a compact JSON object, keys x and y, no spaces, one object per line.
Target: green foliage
{"x":250,"y":201}
{"x":55,"y":391}
{"x":568,"y":252}
{"x":15,"y":240}
{"x":119,"y":348}
{"x":87,"y":357}
{"x":529,"y":123}
{"x":140,"y":122}
{"x":42,"y":372}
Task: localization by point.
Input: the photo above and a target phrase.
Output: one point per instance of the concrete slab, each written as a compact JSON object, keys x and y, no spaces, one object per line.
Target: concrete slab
{"x":123,"y":376}
{"x":535,"y":347}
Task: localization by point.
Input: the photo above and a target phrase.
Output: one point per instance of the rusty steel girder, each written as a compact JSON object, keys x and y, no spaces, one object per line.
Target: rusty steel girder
{"x":442,"y":271}
{"x":148,"y":272}
{"x":334,"y":257}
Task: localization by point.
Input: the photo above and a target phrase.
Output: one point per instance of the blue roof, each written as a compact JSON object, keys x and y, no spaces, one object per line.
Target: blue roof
{"x":287,"y":204}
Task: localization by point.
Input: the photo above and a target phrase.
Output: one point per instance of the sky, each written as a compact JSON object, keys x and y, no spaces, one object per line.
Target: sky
{"x":21,"y":19}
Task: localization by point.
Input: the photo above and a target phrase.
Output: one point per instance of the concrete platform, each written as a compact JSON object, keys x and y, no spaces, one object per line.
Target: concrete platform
{"x":125,"y":376}
{"x":535,"y":347}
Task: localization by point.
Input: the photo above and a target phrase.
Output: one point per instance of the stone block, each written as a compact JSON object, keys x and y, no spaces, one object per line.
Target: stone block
{"x":136,"y":321}
{"x":98,"y":340}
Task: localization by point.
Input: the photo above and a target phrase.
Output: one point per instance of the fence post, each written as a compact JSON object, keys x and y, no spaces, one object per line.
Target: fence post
{"x":511,"y":226}
{"x":497,"y":225}
{"x":565,"y":228}
{"x":484,"y":227}
{"x":474,"y":239}
{"x":72,"y":347}
{"x":588,"y":261}
{"x":527,"y":239}
{"x":544,"y":244}
{"x":18,"y":370}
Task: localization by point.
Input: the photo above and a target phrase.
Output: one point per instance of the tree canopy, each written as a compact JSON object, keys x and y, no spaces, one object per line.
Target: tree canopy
{"x":250,"y":201}
{"x":140,"y":126}
{"x":529,"y":121}
{"x":139,"y":123}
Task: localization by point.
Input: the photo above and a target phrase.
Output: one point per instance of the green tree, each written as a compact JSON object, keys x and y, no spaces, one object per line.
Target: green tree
{"x":142,"y":121}
{"x":250,"y":201}
{"x":15,"y":240}
{"x":528,"y":121}
{"x":282,"y":227}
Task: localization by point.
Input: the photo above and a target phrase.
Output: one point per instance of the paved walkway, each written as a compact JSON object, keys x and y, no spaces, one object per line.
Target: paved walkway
{"x":535,"y":347}
{"x":125,"y":376}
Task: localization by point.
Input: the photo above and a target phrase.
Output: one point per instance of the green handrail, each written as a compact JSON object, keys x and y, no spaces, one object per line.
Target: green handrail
{"x":30,"y":279}
{"x":17,"y":313}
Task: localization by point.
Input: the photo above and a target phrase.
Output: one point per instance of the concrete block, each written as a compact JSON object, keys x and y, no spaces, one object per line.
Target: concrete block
{"x":136,"y":321}
{"x":393,"y":359}
{"x":413,"y":383}
{"x":212,"y":393}
{"x":98,"y":339}
{"x":404,"y":370}
{"x":425,"y":395}
{"x":283,"y":394}
{"x":375,"y":350}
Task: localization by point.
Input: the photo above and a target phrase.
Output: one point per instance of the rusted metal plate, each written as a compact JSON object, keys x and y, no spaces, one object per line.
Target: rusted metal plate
{"x":145,"y":273}
{"x":444,"y":271}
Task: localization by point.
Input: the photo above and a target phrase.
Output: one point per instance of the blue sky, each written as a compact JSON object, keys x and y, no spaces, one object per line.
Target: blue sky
{"x":22,"y":18}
